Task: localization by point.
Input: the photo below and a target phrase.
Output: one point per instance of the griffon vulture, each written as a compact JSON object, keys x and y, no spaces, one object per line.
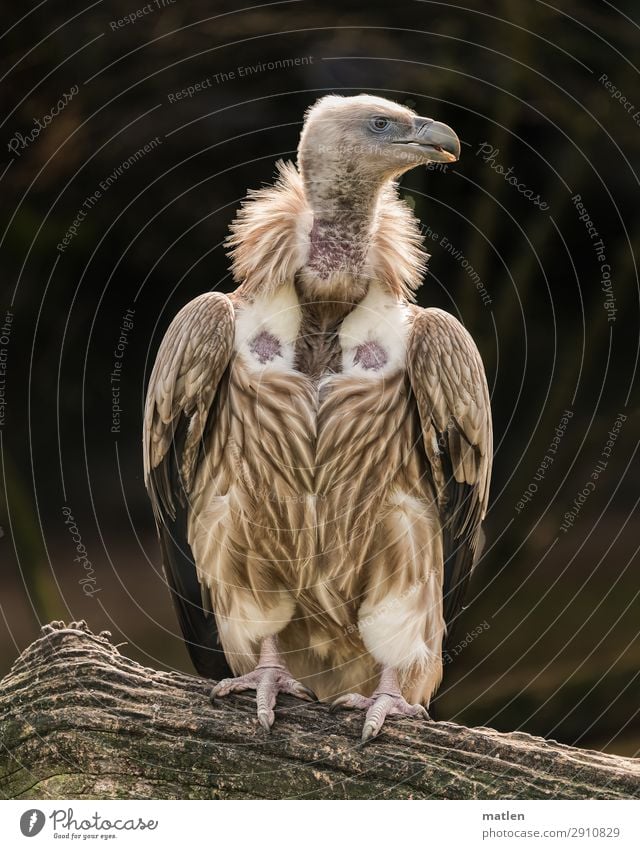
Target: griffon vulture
{"x":317,"y":448}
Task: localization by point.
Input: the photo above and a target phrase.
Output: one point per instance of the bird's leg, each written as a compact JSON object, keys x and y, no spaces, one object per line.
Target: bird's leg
{"x":386,"y":700}
{"x":269,"y":678}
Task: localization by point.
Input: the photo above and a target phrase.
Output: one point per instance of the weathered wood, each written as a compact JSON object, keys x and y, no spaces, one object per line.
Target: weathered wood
{"x":79,"y":720}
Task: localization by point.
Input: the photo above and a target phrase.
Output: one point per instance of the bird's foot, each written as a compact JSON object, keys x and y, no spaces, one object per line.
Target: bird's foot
{"x":267,"y":681}
{"x":378,"y":708}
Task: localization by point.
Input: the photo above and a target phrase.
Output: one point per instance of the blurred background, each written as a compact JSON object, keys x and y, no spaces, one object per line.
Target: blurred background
{"x":129,"y":135}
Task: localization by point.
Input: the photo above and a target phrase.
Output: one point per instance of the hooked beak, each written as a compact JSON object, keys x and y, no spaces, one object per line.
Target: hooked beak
{"x":438,"y":140}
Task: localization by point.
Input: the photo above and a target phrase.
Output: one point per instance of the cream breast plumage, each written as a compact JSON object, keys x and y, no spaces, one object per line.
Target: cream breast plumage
{"x":317,"y":448}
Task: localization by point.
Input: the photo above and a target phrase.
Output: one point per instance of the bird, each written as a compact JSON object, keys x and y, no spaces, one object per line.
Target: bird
{"x":317,"y":447}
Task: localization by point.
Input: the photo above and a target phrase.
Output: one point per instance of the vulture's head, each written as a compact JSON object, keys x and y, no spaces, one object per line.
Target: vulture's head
{"x":336,"y":222}
{"x":368,"y":140}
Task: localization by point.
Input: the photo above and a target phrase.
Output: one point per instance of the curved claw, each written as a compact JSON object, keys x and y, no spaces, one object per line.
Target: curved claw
{"x":230,"y":685}
{"x":388,"y":706}
{"x":266,"y":718}
{"x":422,"y":711}
{"x":302,"y":692}
{"x":370,"y":731}
{"x":350,"y":701}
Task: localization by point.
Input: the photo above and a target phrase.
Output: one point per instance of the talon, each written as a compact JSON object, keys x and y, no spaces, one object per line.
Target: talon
{"x":226,"y":686}
{"x":217,"y":689}
{"x":269,"y":678}
{"x":303,"y":692}
{"x":350,"y":701}
{"x":387,"y":700}
{"x":266,"y":718}
{"x":369,"y":732}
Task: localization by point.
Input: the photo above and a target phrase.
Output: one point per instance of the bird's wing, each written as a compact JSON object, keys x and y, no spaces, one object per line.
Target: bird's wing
{"x":450,"y":388}
{"x":190,"y":363}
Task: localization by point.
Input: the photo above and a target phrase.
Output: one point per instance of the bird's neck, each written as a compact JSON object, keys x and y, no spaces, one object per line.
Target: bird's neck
{"x":329,"y":239}
{"x":343,"y":224}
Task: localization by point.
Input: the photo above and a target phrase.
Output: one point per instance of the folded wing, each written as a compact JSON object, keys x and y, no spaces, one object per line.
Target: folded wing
{"x":190,"y":364}
{"x":450,"y":388}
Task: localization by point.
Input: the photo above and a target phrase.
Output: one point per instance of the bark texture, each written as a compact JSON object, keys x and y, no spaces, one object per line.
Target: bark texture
{"x":80,"y":720}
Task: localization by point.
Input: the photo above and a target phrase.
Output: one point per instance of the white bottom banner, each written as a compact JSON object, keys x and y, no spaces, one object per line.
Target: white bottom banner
{"x":311,"y":824}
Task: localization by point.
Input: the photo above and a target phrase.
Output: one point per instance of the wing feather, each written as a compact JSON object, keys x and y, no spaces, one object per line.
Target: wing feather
{"x":191,"y":361}
{"x":450,"y":388}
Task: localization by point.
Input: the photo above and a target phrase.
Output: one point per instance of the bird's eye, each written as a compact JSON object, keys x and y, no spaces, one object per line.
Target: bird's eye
{"x":379,"y":124}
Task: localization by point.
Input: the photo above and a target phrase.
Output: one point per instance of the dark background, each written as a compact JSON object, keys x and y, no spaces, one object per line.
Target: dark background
{"x":558,"y":653}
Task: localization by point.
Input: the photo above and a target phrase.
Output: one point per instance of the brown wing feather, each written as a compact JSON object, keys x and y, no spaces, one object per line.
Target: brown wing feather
{"x":450,"y":388}
{"x":190,"y":364}
{"x":192,"y":358}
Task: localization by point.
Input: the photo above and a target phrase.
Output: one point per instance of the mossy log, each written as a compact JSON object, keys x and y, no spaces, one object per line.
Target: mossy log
{"x":80,"y":720}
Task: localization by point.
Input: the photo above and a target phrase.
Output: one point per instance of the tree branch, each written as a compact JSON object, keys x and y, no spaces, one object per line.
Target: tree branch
{"x":79,"y":720}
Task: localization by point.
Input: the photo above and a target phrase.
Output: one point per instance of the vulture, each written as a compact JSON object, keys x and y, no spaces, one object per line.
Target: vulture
{"x":317,"y":448}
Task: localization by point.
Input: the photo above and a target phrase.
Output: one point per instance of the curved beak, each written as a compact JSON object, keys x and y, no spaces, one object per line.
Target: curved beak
{"x":439,"y":141}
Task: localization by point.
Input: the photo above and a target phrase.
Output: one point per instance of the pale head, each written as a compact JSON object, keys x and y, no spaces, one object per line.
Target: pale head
{"x":369,"y":137}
